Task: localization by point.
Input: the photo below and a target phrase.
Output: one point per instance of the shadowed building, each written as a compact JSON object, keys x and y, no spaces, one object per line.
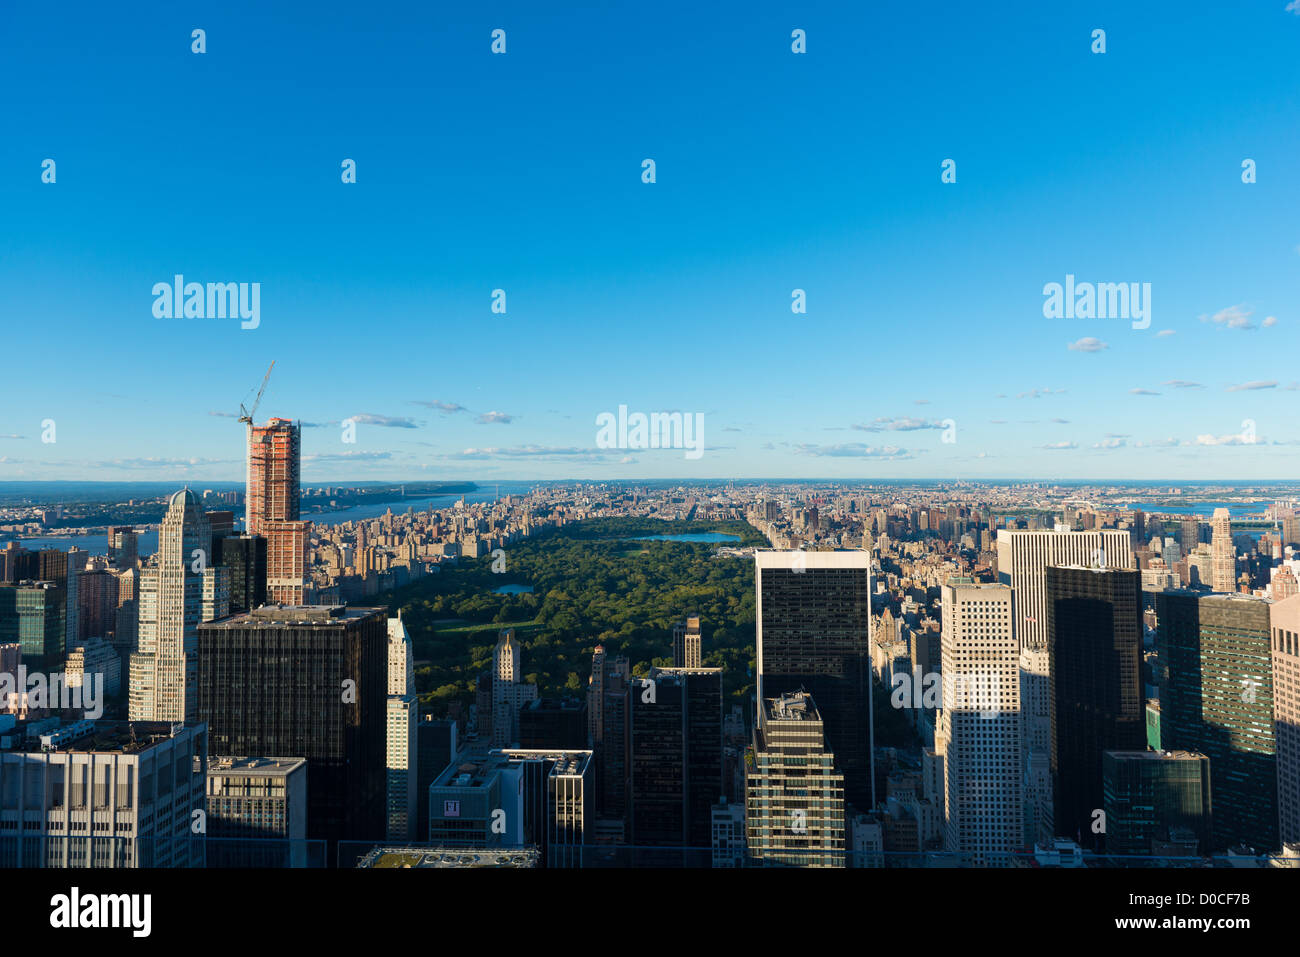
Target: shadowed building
{"x":1218,"y":700}
{"x":813,"y":634}
{"x":308,"y":681}
{"x":675,"y":726}
{"x":794,"y":796}
{"x":1095,"y":664}
{"x":1148,"y":796}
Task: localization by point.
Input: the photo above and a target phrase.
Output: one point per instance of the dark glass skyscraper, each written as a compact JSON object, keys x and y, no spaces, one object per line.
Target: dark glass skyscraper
{"x":1219,"y":701}
{"x":553,"y":723}
{"x":813,"y":629}
{"x":1151,"y":796}
{"x":1094,"y":644}
{"x":675,"y":726}
{"x":32,"y":615}
{"x":307,"y":682}
{"x":245,"y":556}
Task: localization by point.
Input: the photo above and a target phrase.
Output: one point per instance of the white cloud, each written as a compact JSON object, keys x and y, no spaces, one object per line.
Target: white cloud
{"x":1088,"y":344}
{"x":1234,"y":317}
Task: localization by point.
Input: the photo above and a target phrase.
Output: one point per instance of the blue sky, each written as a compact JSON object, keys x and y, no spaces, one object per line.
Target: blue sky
{"x":775,"y":171}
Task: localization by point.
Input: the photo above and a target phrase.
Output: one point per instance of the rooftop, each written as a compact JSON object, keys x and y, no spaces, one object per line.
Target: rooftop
{"x":402,"y":857}
{"x":296,"y":615}
{"x":269,"y":767}
{"x":793,"y":707}
{"x":122,"y":737}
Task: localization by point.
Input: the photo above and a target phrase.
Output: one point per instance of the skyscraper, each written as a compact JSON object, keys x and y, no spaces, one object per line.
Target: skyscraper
{"x":1024,"y":557}
{"x":64,"y":569}
{"x":123,"y":547}
{"x":105,"y":794}
{"x":1218,"y":701}
{"x":813,"y":634}
{"x":687,"y":643}
{"x":1094,"y":628}
{"x":32,"y":616}
{"x":509,"y":692}
{"x":1036,"y":741}
{"x":307,"y":682}
{"x":794,"y":794}
{"x":1149,"y":796}
{"x":245,"y":556}
{"x":557,"y":801}
{"x":676,"y":756}
{"x":982,"y":723}
{"x":1284,"y":619}
{"x":172,"y":591}
{"x":274,"y":462}
{"x":286,"y":561}
{"x":402,"y":731}
{"x":18,"y":564}
{"x":272,"y":507}
{"x":609,"y":695}
{"x":1223,"y":553}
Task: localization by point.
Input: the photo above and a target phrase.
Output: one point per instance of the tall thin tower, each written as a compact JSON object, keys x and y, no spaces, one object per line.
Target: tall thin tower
{"x":273,"y":499}
{"x":163,"y":673}
{"x":1223,"y":556}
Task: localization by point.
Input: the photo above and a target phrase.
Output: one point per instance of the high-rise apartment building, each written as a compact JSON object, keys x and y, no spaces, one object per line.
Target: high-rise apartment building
{"x":1094,"y":628}
{"x":813,"y":628}
{"x":1218,"y":701}
{"x":981,"y":700}
{"x":287,"y":545}
{"x":274,"y":477}
{"x":794,"y":792}
{"x":401,"y":658}
{"x":688,"y":643}
{"x":123,"y":547}
{"x":509,"y":692}
{"x":96,"y":603}
{"x":401,"y":768}
{"x":272,"y":507}
{"x":1223,"y":553}
{"x":402,"y":726}
{"x":17,"y":564}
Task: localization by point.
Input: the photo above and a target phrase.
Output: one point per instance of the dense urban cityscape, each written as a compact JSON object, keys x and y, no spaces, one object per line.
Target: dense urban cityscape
{"x":804,"y":466}
{"x":917,"y":674}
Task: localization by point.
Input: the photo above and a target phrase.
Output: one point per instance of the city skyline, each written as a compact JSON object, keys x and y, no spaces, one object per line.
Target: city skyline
{"x":822,"y":173}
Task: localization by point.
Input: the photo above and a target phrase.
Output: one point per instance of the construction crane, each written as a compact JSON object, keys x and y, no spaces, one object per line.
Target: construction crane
{"x":246,"y":415}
